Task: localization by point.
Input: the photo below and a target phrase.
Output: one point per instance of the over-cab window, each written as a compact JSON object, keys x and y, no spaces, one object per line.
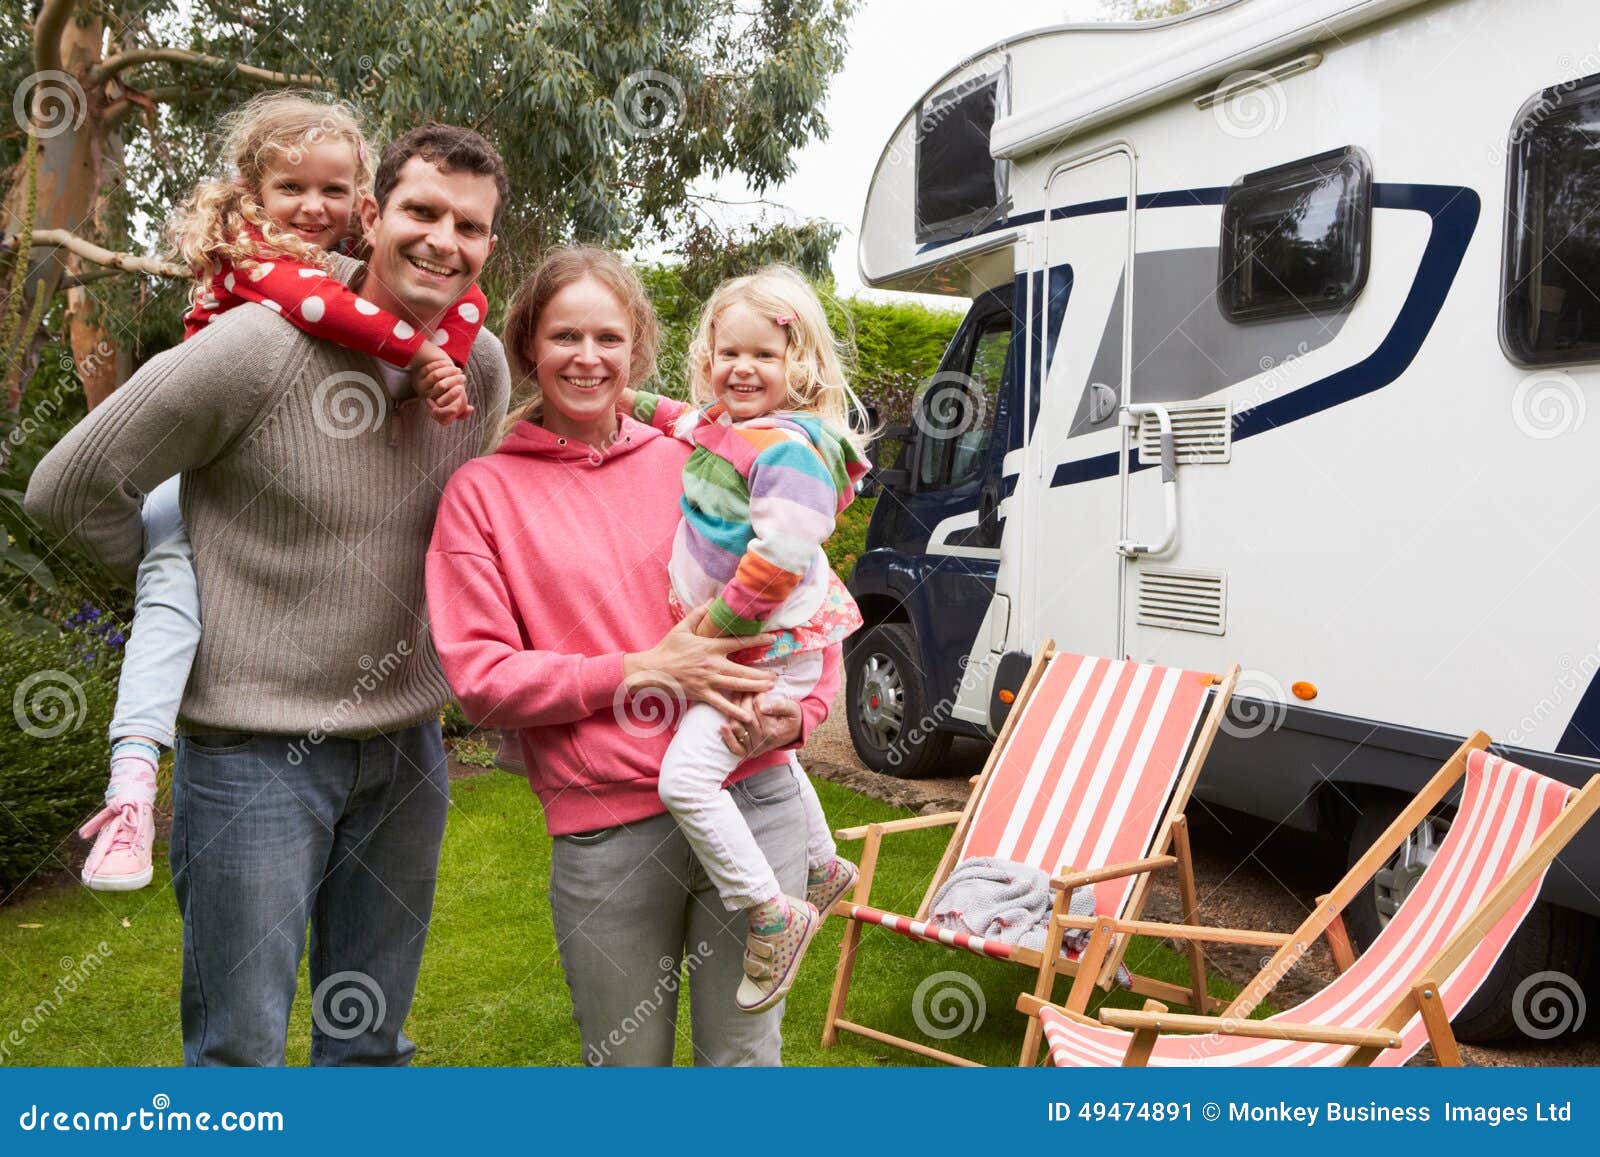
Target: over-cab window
{"x":1550,"y":302}
{"x":960,"y":186}
{"x":1296,"y":239}
{"x":955,"y":412}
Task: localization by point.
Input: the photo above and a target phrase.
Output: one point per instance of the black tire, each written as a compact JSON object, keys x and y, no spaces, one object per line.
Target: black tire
{"x":885,"y":699}
{"x":1551,"y":939}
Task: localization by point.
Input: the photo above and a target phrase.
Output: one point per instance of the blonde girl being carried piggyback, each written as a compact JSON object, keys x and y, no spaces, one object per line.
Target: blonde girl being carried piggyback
{"x":300,"y":176}
{"x":774,"y":464}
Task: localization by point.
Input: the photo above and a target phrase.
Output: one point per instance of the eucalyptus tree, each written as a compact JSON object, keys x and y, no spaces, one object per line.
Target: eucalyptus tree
{"x":607,"y":112}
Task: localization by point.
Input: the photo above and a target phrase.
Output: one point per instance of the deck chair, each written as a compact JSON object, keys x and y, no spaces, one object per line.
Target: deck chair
{"x":1419,"y":971}
{"x":1087,"y":782}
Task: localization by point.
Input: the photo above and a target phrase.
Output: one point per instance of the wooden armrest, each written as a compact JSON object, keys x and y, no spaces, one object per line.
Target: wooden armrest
{"x":910,"y":824}
{"x":1111,"y":872}
{"x":1181,"y":931}
{"x":1127,"y":1018}
{"x":1030,"y":1004}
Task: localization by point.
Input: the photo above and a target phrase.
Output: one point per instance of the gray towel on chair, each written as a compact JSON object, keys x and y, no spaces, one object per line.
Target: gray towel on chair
{"x":1009,"y":902}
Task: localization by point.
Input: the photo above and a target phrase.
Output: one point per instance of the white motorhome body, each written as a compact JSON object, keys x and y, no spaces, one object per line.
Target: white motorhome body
{"x":1342,"y":250}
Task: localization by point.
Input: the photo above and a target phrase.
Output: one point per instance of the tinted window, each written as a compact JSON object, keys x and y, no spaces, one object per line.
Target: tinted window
{"x":1550,"y":309}
{"x":959,"y":185}
{"x":956,"y":411}
{"x":1296,"y":239}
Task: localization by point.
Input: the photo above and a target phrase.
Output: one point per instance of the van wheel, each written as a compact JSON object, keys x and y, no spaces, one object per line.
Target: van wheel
{"x":1551,"y":939}
{"x":884,"y":700}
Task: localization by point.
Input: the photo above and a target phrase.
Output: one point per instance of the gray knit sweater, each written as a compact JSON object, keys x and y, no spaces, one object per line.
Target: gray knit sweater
{"x":309,"y":497}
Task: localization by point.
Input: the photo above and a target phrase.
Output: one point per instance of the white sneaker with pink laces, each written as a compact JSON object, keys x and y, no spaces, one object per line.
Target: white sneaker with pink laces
{"x":120,"y":858}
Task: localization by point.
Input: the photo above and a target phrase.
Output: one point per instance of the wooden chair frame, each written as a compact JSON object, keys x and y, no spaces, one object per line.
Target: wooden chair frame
{"x":1420,"y":994}
{"x":1099,"y":964}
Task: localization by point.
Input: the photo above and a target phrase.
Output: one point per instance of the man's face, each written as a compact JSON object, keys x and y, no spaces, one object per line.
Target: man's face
{"x":430,"y":240}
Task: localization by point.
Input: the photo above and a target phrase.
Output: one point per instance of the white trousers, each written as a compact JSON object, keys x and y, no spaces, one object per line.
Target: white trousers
{"x":692,"y":775}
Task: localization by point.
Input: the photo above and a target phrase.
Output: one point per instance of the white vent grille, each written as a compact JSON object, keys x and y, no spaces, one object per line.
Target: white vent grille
{"x":1203,"y":433}
{"x":1183,"y":600}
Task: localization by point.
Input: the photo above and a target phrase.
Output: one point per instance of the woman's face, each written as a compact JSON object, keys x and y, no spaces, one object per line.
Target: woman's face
{"x":582,"y":347}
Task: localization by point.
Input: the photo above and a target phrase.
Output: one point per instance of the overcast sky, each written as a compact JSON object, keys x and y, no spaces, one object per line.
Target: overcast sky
{"x":898,"y":48}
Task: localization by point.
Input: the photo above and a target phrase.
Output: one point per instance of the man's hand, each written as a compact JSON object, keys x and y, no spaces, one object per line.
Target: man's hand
{"x":775,"y":723}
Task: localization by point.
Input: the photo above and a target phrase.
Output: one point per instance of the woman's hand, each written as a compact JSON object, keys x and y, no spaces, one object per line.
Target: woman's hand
{"x":683,"y":663}
{"x":775,"y":723}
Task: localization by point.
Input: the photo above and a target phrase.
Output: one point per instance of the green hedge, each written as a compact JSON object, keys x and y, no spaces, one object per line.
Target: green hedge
{"x":54,"y":751}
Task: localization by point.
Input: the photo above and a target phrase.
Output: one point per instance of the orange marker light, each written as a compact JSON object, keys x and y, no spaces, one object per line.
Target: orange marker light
{"x":1304,"y":690}
{"x":1007,"y":696}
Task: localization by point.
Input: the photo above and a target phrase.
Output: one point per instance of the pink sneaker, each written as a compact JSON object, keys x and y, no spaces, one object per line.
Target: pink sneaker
{"x":120,"y":858}
{"x":823,"y":894}
{"x":772,"y":959}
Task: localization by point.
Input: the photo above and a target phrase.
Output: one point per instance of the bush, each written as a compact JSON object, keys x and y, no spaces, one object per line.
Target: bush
{"x":53,"y":761}
{"x":849,"y":537}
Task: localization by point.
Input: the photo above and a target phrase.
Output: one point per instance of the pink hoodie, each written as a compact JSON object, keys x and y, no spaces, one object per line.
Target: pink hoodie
{"x":546,"y":566}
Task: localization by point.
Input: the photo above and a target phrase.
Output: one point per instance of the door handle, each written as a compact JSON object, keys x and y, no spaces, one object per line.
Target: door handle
{"x":1169,"y":479}
{"x":989,"y":515}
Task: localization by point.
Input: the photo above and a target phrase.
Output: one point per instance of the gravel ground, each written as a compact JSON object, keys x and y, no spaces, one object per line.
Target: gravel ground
{"x":1247,"y":874}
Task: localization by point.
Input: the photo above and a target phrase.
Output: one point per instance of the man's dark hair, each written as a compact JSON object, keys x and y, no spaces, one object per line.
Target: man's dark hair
{"x":450,"y":149}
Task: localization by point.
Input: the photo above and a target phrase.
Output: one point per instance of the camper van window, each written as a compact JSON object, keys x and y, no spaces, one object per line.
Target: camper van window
{"x":960,"y":186}
{"x":956,"y":412}
{"x":1550,"y":305}
{"x":1296,"y":239}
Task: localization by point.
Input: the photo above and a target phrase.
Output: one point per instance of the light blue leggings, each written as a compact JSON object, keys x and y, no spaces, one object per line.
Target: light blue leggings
{"x":166,"y":625}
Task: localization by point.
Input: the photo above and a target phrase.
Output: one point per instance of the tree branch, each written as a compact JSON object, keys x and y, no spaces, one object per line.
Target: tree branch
{"x":88,"y":277}
{"x":118,"y":110}
{"x":89,"y":251}
{"x":134,"y":57}
{"x":47,"y":29}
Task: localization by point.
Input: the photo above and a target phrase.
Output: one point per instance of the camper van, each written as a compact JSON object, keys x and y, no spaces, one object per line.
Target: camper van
{"x":1283,"y":340}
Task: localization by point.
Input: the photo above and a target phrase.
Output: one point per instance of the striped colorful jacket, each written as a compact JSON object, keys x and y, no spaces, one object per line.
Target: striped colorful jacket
{"x":759,"y":499}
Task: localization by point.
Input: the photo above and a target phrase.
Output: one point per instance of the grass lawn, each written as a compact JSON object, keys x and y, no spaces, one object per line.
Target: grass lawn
{"x":492,"y":990}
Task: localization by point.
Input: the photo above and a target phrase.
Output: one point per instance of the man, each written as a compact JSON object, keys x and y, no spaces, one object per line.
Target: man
{"x":310,"y":778}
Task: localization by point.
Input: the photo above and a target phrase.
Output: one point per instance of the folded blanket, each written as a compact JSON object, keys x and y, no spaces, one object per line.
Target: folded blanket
{"x":1009,"y":902}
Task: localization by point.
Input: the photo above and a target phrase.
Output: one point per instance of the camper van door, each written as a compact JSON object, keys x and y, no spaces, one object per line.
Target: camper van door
{"x":1074,"y":573}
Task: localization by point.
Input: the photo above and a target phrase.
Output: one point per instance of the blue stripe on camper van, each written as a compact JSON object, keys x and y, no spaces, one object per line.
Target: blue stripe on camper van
{"x":1172,"y":198}
{"x":1454,"y":210}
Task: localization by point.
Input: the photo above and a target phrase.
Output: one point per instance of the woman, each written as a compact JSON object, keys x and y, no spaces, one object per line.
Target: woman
{"x":547,"y":580}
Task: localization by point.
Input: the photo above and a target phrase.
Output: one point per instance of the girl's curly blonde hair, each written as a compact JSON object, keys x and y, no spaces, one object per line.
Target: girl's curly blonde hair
{"x":210,"y":226}
{"x":813,"y":360}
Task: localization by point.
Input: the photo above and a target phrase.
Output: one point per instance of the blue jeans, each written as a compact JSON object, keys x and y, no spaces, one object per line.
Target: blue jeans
{"x":270,"y":832}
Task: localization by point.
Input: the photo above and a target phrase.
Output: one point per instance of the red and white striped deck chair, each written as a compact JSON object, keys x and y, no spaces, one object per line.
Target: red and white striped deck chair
{"x":1419,"y":971}
{"x":1087,"y":782}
